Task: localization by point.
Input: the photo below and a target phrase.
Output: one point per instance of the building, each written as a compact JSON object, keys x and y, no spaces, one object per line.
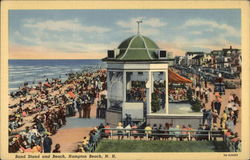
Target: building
{"x":137,"y":72}
{"x":228,"y":59}
{"x":194,"y":58}
{"x":207,"y":60}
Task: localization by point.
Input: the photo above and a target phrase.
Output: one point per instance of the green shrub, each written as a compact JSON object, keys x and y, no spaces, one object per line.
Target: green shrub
{"x":189,"y":94}
{"x":155,"y":103}
{"x":196,"y":105}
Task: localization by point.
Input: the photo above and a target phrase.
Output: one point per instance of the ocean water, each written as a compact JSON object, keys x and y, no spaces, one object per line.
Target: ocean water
{"x":34,"y":71}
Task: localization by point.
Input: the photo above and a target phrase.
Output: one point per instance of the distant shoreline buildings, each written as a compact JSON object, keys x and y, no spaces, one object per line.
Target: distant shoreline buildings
{"x":226,"y":59}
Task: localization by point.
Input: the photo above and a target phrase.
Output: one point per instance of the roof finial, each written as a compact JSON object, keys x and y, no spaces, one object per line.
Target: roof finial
{"x":138,"y":29}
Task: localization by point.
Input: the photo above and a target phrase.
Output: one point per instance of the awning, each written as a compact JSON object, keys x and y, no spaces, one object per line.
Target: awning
{"x":176,"y":78}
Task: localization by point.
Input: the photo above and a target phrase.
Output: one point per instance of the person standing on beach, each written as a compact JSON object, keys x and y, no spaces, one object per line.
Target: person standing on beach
{"x":82,"y":113}
{"x":88,"y":105}
{"x":84,"y":109}
{"x":98,"y":109}
{"x":209,"y":118}
{"x":79,"y":107}
{"x":88,"y":110}
{"x":217,"y":105}
{"x":85,"y":105}
{"x":47,"y":143}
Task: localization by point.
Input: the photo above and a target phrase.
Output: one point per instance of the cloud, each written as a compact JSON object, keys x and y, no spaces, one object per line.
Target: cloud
{"x":70,"y":37}
{"x":154,"y":22}
{"x":149,"y":26}
{"x":181,"y":44}
{"x":74,"y":47}
{"x":63,"y":25}
{"x":203,"y":44}
{"x":40,"y":52}
{"x":61,"y":45}
{"x":209,"y":25}
{"x":195,"y":32}
{"x":171,"y":47}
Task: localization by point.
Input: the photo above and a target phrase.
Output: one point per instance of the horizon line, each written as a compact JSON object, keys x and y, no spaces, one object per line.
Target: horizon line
{"x":51,"y":59}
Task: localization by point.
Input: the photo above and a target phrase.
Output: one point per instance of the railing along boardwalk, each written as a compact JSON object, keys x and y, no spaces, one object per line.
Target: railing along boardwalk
{"x":198,"y":135}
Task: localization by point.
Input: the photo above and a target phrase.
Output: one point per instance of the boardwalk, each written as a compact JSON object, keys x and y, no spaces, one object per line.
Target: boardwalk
{"x":225,"y":99}
{"x":74,"y":131}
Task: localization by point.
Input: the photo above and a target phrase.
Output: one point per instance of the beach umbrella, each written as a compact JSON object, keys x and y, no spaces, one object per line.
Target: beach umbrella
{"x":71,"y":94}
{"x":47,"y":85}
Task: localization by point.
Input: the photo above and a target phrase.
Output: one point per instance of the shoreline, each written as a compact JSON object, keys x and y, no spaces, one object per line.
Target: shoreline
{"x":33,"y":92}
{"x":51,"y":69}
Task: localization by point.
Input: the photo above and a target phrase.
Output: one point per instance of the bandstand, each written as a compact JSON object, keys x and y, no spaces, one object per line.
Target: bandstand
{"x":137,"y":83}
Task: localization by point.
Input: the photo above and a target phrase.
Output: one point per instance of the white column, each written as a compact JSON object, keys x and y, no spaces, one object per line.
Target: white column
{"x":166,"y":97}
{"x":149,"y":92}
{"x":108,"y":89}
{"x":124,"y":89}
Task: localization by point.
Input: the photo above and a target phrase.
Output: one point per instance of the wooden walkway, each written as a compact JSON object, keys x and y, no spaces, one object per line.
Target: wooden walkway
{"x":70,"y":135}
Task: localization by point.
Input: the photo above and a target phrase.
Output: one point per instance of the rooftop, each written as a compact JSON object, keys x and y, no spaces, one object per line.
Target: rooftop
{"x":137,"y":48}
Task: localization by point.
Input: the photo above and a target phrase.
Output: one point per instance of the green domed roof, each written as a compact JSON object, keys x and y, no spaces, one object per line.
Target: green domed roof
{"x":137,"y":47}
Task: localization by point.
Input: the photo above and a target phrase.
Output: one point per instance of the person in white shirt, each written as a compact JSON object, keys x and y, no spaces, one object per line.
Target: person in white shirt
{"x":128,"y":129}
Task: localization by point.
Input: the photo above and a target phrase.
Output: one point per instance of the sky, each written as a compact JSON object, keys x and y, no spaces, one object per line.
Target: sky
{"x":88,"y":34}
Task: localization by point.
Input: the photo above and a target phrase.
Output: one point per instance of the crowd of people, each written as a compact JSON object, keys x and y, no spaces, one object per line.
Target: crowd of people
{"x":87,"y":89}
{"x":203,"y":93}
{"x":218,"y":117}
{"x":136,"y":94}
{"x":89,"y":142}
{"x":156,"y":132}
{"x":177,"y":94}
{"x":42,"y":109}
{"x":36,"y":137}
